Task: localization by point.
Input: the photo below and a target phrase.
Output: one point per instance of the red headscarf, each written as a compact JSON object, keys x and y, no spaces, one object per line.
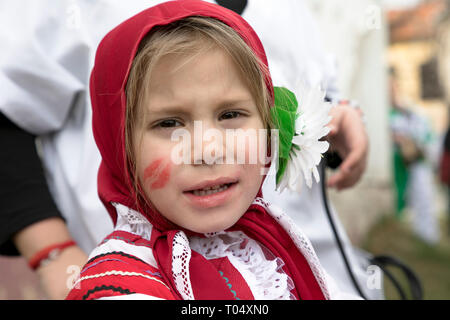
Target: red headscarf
{"x":113,"y":61}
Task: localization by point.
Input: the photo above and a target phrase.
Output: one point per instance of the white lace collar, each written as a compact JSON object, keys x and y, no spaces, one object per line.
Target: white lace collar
{"x":264,"y":276}
{"x":130,"y":220}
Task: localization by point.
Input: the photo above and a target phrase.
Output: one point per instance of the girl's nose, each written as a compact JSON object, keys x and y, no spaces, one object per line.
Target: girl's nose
{"x":208,"y":144}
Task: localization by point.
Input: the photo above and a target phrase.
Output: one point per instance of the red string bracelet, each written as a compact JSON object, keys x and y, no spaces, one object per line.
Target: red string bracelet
{"x":48,"y":254}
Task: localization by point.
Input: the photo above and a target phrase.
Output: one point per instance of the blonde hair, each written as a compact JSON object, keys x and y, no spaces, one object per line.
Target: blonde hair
{"x":190,"y":36}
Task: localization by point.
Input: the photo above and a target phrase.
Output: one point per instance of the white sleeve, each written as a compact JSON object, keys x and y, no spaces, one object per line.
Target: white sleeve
{"x":42,"y":67}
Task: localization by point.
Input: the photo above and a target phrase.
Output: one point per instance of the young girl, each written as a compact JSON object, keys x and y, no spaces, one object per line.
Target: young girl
{"x":199,"y":229}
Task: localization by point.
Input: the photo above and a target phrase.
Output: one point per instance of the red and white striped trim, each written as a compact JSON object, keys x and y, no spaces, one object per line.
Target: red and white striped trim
{"x":119,"y":273}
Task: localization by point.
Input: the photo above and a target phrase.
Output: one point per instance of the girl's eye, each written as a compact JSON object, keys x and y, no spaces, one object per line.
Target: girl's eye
{"x":169,"y":123}
{"x":230,"y":115}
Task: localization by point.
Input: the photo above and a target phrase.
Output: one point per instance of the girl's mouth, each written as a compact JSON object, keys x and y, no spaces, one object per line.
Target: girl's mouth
{"x":214,"y":185}
{"x":211,"y":194}
{"x":211,"y":190}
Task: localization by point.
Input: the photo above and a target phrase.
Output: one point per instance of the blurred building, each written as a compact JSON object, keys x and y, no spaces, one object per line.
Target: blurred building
{"x":416,"y":41}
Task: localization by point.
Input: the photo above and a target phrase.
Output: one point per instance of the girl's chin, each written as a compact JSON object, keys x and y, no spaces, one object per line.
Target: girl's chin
{"x":212,"y":228}
{"x":211,"y":222}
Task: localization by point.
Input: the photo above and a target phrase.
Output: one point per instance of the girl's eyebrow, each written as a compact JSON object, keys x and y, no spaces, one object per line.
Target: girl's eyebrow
{"x":234,"y":102}
{"x":180,"y":110}
{"x":168,"y":110}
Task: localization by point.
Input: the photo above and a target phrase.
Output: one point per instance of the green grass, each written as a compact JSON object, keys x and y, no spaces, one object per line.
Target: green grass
{"x":431,"y":263}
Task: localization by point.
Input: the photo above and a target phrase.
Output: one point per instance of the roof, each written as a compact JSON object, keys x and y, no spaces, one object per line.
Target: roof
{"x":417,"y":23}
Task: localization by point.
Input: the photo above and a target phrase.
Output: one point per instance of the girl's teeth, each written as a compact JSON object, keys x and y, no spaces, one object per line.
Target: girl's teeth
{"x":208,"y":191}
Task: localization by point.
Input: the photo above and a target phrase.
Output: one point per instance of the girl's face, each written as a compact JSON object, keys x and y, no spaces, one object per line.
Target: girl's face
{"x":208,"y":89}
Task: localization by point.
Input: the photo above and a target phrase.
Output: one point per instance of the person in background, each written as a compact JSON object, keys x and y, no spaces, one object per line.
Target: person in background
{"x":444,"y":172}
{"x":413,"y":173}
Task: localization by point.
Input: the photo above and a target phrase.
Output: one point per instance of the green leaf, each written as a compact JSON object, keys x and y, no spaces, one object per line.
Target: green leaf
{"x":284,"y":114}
{"x":285,"y":98}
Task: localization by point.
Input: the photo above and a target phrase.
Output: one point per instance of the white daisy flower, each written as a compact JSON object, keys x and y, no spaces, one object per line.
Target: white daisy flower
{"x":307,"y":149}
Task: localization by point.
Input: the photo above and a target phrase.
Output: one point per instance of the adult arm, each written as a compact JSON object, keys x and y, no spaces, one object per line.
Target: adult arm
{"x":29,"y":218}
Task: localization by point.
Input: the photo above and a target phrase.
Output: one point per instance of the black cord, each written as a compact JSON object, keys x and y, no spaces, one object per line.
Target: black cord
{"x":391,"y":277}
{"x":333,"y":227}
{"x":381,"y":261}
{"x":416,"y":288}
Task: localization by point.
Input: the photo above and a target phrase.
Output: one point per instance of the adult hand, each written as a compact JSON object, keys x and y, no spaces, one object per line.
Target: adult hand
{"x":349,"y":139}
{"x":56,"y":277}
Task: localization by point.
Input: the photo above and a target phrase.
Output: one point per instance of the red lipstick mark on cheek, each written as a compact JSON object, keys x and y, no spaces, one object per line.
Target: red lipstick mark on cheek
{"x":158,"y":174}
{"x":162,"y":178}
